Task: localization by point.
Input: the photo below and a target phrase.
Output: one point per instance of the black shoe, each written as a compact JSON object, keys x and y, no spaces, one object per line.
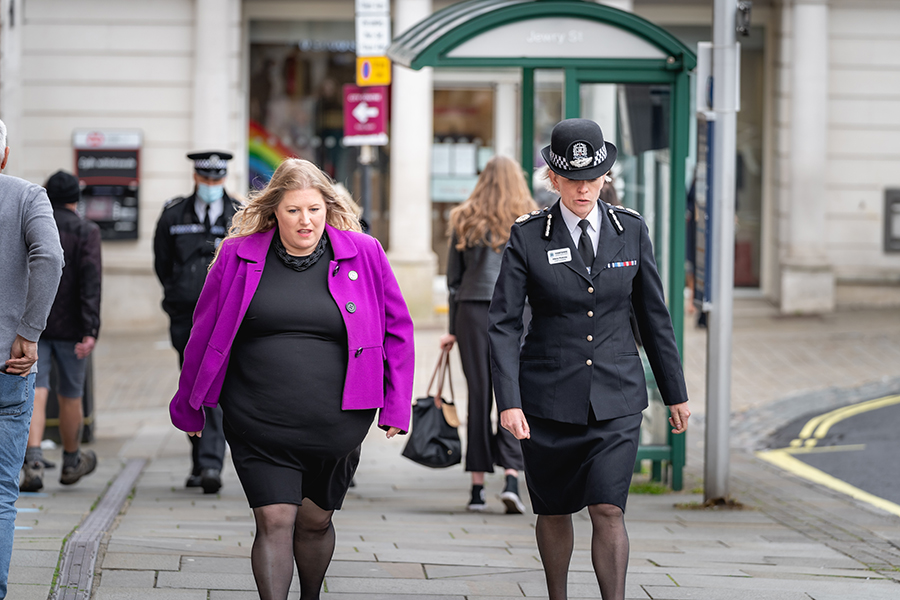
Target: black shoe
{"x":510,"y":496}
{"x":210,"y":481}
{"x":32,"y":477}
{"x":193,"y":481}
{"x":87,"y":462}
{"x":477,"y":503}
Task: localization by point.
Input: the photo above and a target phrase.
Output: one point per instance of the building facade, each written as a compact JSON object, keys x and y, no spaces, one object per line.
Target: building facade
{"x":818,"y":149}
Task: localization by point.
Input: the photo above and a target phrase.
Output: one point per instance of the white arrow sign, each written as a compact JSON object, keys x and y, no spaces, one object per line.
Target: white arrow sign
{"x":363,"y":112}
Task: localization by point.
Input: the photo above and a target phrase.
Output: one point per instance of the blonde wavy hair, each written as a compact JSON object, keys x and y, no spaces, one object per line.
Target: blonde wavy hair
{"x":258,"y":214}
{"x":500,"y":196}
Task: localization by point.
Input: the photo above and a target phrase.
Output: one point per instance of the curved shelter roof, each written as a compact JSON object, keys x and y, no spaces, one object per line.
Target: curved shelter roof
{"x":538,"y":33}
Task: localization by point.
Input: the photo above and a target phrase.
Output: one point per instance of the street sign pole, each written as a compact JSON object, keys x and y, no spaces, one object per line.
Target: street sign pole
{"x":718,"y":349}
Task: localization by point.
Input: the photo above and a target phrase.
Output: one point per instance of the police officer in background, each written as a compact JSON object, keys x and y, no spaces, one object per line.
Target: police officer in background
{"x":187,"y":235}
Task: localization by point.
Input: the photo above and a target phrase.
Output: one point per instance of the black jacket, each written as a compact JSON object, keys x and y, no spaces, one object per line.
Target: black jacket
{"x":580,"y":352}
{"x":183,"y":250}
{"x":471,"y":275}
{"x":76,"y":309}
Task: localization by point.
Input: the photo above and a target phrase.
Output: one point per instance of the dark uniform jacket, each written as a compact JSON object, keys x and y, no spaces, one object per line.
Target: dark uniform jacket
{"x":579,"y":353}
{"x":471,"y":275}
{"x":76,"y":309}
{"x":183,"y":250}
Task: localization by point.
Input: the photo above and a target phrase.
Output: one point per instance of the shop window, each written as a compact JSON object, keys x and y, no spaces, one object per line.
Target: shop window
{"x":463,"y":143}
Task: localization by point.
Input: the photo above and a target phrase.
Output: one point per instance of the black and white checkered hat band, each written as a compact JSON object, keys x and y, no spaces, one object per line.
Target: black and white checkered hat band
{"x":208,"y":163}
{"x":560,"y":162}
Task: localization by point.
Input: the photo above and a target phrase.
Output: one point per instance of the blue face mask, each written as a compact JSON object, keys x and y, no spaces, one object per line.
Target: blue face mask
{"x":209,"y":193}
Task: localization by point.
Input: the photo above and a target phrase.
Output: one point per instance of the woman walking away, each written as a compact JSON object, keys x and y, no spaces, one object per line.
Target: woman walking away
{"x":574,"y":391}
{"x":479,"y":228}
{"x":300,"y":334}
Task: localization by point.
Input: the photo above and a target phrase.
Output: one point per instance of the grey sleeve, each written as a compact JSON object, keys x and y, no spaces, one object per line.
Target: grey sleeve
{"x":45,"y":263}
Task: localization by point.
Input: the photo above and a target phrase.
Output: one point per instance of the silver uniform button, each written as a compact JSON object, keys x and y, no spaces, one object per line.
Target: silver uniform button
{"x":588,"y":362}
{"x":590,"y":290}
{"x":590,"y":313}
{"x":351,"y":308}
{"x":590,"y":338}
{"x":353,"y":275}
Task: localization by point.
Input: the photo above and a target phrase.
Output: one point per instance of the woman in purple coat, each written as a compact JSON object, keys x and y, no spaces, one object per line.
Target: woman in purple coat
{"x":301,"y":335}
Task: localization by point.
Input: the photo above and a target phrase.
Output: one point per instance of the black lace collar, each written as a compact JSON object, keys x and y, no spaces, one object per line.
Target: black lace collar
{"x":299,"y":263}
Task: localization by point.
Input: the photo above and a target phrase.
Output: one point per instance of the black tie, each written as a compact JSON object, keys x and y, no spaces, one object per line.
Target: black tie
{"x":585,"y":245}
{"x":206,"y":222}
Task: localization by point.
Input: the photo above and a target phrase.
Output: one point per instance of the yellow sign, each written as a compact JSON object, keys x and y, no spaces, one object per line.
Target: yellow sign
{"x":373,"y":70}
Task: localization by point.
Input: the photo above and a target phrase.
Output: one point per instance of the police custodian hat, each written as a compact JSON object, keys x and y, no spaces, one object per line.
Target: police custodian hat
{"x":212,"y":163}
{"x":577,"y":150}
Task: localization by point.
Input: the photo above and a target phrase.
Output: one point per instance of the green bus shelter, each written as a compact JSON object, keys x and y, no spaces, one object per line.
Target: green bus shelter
{"x":621,"y":70}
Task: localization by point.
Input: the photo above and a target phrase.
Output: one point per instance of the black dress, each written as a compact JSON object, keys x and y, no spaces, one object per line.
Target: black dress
{"x":282,"y":393}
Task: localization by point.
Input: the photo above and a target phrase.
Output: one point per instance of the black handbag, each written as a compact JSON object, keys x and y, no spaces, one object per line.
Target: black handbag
{"x":434,"y":440}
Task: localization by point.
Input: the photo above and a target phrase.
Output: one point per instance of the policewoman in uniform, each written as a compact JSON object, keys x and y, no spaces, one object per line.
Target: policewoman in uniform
{"x":187,"y":235}
{"x":574,"y":391}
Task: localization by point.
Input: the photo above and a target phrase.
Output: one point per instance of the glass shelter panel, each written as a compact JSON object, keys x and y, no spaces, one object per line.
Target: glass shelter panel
{"x":636,"y":118}
{"x":548,"y":111}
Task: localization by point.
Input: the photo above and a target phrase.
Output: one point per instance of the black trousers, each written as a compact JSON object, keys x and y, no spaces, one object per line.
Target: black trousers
{"x":485,"y":447}
{"x":207,"y":451}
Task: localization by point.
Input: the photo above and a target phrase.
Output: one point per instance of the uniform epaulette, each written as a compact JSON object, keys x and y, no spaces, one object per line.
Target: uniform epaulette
{"x":530,"y":216}
{"x":626,"y":210}
{"x":173,"y":202}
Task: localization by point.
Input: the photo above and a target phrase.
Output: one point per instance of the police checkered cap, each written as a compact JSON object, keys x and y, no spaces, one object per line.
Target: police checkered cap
{"x":212,"y":163}
{"x":578,"y":151}
{"x":560,"y":162}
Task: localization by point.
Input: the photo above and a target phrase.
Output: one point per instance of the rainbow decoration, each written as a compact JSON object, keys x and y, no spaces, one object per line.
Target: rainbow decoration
{"x":264,"y":153}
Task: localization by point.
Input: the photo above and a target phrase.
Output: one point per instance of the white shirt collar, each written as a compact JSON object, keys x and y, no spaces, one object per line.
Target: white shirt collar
{"x":572,"y":219}
{"x":215,"y":209}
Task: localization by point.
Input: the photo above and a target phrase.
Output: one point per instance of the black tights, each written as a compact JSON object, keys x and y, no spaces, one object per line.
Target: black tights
{"x":287,"y":533}
{"x":609,"y":550}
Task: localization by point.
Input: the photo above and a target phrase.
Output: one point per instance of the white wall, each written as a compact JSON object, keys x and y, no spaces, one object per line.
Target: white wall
{"x":115,"y":64}
{"x":863,"y":136}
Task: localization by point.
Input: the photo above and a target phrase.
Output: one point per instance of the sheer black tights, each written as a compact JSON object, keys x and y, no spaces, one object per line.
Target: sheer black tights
{"x":609,"y":550}
{"x":286,"y":533}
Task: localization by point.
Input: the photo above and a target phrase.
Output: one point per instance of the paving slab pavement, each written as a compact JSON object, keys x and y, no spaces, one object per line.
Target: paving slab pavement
{"x":404,"y":531}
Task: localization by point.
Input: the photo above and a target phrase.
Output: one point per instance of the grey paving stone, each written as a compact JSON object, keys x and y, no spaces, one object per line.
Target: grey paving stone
{"x":216,"y":564}
{"x":32,"y":575}
{"x":23,"y":557}
{"x":209,"y":581}
{"x":112,"y":593}
{"x":418,"y":587}
{"x":128,"y":579}
{"x":28,"y":591}
{"x":686,"y":593}
{"x":231,"y":595}
{"x":141,"y":562}
{"x":375,"y":569}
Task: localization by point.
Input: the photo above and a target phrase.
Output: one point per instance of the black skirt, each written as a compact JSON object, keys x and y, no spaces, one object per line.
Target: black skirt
{"x":282,"y":395}
{"x":568,"y":466}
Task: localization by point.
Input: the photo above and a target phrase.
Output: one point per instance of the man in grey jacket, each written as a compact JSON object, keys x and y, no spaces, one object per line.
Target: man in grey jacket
{"x":30,"y":271}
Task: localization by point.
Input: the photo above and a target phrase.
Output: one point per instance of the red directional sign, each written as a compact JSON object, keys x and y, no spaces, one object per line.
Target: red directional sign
{"x":365,"y":115}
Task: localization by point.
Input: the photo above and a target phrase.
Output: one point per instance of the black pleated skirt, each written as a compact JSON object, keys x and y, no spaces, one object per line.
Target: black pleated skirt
{"x":569,"y":466}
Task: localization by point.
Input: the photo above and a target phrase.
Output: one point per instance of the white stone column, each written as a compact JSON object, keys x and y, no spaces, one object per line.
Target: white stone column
{"x":212,"y":57}
{"x":11,"y":81}
{"x":412,"y":127}
{"x":807,"y":280}
{"x":506,"y":118}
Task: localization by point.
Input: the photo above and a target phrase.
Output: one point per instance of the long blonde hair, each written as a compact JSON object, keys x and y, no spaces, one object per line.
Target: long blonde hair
{"x":500,"y":196}
{"x":292,"y":174}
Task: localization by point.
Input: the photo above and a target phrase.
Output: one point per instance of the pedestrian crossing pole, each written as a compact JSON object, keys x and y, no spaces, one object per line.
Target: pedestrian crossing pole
{"x":718,"y":348}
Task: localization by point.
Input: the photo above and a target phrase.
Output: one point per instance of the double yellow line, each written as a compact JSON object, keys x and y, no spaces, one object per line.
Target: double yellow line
{"x":815,"y":430}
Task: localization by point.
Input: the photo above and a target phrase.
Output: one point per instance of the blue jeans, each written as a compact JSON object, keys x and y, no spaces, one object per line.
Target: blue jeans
{"x":16,"y":404}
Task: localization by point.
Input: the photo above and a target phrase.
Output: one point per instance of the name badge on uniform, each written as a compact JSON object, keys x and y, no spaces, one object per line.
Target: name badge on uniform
{"x":559,"y":256}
